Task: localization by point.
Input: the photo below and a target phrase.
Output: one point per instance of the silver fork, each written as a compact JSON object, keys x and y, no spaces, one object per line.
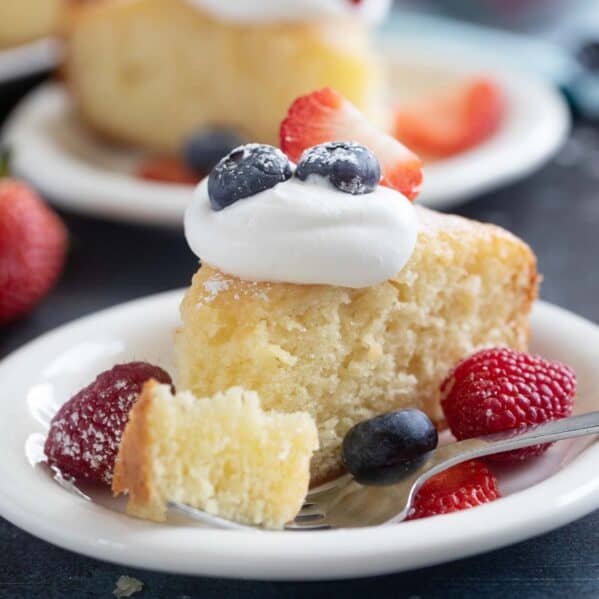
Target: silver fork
{"x":344,"y":503}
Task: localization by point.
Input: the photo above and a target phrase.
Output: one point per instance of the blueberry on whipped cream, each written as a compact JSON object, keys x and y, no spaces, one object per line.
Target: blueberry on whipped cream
{"x":246,"y":171}
{"x":348,"y":166}
{"x":294,"y":231}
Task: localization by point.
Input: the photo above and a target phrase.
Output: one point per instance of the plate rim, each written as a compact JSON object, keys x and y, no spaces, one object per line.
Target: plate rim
{"x":318,"y":553}
{"x":17,"y":62}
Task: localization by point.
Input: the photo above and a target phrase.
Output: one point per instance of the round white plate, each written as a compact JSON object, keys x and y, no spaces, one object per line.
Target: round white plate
{"x":538,"y":496}
{"x":28,"y":59}
{"x":53,"y":150}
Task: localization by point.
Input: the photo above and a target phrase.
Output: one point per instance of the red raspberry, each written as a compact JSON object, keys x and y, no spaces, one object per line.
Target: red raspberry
{"x":459,"y":488}
{"x":84,"y":435}
{"x":501,"y":389}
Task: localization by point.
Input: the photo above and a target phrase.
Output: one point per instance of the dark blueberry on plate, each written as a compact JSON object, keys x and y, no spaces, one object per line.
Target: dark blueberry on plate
{"x":387,"y":448}
{"x":206,"y":147}
{"x":349,"y":166}
{"x":246,"y":171}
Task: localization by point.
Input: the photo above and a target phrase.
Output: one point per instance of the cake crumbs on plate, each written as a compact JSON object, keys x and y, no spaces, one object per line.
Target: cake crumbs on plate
{"x":127,"y":586}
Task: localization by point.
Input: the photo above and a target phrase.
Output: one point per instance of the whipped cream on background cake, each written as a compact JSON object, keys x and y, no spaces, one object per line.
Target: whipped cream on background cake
{"x":307,"y":233}
{"x":269,"y":11}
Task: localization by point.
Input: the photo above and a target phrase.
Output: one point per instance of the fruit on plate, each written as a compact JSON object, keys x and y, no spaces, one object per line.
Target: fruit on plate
{"x":166,"y":169}
{"x":384,"y":449}
{"x":85,"y":433}
{"x":33,"y":245}
{"x":500,"y":389}
{"x":451,"y":120}
{"x":464,"y":486}
{"x":222,"y":454}
{"x":326,"y":116}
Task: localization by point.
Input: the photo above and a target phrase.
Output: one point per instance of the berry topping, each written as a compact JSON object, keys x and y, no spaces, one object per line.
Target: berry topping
{"x":452,"y":121}
{"x":208,"y":146}
{"x":384,"y":449}
{"x":84,"y":436}
{"x":501,"y":389}
{"x":33,"y":244}
{"x":325,"y":115}
{"x":164,"y":169}
{"x":464,"y":486}
{"x":246,"y":171}
{"x":349,"y":166}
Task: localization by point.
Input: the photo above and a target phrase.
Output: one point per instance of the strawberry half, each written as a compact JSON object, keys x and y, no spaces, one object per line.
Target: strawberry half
{"x":453,"y":120}
{"x":325,"y":115}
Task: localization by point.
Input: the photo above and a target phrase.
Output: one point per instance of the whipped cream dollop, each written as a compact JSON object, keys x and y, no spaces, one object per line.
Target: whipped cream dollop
{"x":307,"y":233}
{"x":269,"y":11}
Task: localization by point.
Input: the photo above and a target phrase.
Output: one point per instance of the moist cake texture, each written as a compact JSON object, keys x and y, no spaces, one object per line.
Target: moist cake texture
{"x":344,"y":355}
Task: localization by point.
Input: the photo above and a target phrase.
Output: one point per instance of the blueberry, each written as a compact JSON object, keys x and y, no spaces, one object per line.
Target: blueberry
{"x":349,"y":166}
{"x":202,"y":151}
{"x":246,"y":171}
{"x":386,"y":448}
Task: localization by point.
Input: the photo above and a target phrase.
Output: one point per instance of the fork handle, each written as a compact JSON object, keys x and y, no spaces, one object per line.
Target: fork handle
{"x":565,"y":428}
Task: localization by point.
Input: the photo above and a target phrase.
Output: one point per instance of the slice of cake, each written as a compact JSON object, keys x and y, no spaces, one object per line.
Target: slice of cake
{"x":151,"y":72}
{"x":23,"y":21}
{"x":224,"y":455}
{"x":345,"y":355}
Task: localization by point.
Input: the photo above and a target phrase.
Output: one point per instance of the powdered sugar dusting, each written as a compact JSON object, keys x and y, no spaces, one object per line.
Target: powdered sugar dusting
{"x":213,"y":286}
{"x":85,"y":434}
{"x":219,"y":282}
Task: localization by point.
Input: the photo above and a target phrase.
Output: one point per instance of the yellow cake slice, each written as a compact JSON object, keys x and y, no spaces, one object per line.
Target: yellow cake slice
{"x":344,"y":355}
{"x":151,"y":72}
{"x":23,"y":21}
{"x":224,"y":455}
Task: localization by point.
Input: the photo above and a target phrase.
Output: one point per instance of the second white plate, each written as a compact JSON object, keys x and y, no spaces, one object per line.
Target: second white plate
{"x":54,"y":151}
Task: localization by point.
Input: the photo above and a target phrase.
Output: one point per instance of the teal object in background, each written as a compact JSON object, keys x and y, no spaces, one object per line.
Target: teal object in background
{"x":551,"y":54}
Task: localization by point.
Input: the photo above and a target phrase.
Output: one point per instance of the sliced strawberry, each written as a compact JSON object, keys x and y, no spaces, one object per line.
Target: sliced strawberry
{"x":453,"y":120}
{"x":325,"y":115}
{"x":464,"y":486}
{"x":164,"y":169}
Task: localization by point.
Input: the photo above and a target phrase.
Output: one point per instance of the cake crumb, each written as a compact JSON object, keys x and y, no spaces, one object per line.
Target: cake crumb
{"x":127,"y":586}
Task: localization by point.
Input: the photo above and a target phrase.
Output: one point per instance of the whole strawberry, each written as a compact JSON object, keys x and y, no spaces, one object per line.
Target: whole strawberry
{"x":84,"y":435}
{"x":33,"y":242}
{"x":464,"y":486}
{"x":501,"y":389}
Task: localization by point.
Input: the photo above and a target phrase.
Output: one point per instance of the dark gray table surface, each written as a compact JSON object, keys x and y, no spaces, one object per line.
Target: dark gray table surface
{"x":556,"y":210}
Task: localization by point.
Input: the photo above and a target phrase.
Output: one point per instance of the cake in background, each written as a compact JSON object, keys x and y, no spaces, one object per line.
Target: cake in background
{"x":23,"y":21}
{"x":152,"y":72}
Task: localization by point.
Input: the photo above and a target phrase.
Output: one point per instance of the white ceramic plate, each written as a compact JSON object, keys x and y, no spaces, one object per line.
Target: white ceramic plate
{"x":74,"y":169}
{"x":541,"y":495}
{"x":28,"y":59}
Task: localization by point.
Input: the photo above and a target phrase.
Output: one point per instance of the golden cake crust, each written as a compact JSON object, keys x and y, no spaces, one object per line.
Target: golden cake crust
{"x":133,"y":467}
{"x":344,"y":355}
